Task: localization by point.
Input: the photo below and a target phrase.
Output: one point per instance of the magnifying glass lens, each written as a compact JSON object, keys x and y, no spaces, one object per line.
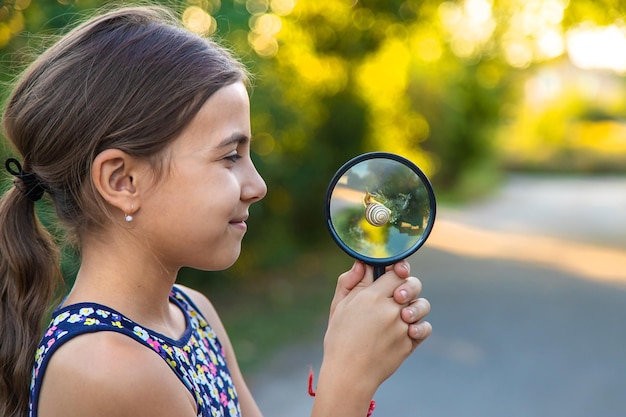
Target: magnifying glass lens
{"x":380,"y":208}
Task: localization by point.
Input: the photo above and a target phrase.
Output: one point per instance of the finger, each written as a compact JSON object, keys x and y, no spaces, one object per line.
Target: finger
{"x":416,"y":311}
{"x":369,"y":275}
{"x":346,"y":283}
{"x":409,"y":290}
{"x":420,"y":332}
{"x":402,"y":268}
{"x":350,"y":279}
{"x":387,"y":283}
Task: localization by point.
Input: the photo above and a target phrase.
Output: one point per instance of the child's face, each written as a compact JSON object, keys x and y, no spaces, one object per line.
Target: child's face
{"x":198,"y":210}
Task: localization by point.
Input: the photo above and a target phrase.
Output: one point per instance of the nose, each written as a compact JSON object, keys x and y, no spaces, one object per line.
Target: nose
{"x":254,"y":188}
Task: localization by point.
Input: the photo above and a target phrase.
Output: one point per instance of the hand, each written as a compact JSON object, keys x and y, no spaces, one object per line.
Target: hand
{"x":416,"y":309}
{"x":366,"y":339}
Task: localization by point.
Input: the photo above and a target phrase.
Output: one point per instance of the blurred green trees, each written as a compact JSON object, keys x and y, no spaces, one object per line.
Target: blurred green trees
{"x":462,"y":88}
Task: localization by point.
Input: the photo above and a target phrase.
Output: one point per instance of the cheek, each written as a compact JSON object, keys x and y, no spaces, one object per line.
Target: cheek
{"x":215,"y":205}
{"x":222,"y":190}
{"x":198,"y":204}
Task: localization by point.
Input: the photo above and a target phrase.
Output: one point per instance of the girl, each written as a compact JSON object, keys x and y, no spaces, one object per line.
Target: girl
{"x":139,"y":132}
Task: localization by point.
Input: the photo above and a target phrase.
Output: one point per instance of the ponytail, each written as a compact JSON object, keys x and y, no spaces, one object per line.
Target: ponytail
{"x":29,"y":278}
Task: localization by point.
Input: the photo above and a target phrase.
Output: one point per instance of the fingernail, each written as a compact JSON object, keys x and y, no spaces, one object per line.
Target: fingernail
{"x":404,"y":294}
{"x":418,"y":331}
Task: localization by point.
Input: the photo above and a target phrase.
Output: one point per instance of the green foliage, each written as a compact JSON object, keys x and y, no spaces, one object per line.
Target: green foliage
{"x":333,"y":79}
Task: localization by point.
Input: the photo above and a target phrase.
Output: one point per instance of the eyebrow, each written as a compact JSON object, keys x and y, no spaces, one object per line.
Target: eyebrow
{"x":237,"y":138}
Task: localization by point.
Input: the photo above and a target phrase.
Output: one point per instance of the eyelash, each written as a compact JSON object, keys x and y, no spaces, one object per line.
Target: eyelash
{"x":233,"y":158}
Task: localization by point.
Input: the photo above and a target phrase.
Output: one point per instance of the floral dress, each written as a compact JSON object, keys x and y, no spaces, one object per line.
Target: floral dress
{"x":197,"y":358}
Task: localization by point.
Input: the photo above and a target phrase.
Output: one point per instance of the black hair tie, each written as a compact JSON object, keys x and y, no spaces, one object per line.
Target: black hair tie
{"x":33,"y":187}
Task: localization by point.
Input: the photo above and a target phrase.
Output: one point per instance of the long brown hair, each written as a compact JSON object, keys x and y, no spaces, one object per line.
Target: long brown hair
{"x":130,"y":79}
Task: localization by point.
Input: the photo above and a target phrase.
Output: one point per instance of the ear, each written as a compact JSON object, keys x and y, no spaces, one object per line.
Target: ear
{"x":114,"y":174}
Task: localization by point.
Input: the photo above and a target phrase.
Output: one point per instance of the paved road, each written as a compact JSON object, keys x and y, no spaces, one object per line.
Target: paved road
{"x":528,"y":291}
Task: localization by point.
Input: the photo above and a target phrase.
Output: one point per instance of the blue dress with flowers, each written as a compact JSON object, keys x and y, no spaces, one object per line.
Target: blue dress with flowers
{"x":197,"y":358}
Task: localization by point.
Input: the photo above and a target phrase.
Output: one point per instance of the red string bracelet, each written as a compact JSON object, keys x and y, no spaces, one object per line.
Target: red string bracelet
{"x":312,"y":394}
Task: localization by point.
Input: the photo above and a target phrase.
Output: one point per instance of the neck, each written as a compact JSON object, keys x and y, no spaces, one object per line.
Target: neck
{"x":118,"y":273}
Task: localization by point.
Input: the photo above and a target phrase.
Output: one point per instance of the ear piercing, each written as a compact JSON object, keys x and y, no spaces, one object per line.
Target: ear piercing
{"x":129,"y":217}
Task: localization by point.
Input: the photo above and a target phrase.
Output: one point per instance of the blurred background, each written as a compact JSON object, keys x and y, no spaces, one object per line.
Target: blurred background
{"x":515,"y":109}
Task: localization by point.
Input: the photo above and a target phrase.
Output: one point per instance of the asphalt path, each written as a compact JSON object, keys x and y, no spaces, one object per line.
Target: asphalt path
{"x":528,"y":294}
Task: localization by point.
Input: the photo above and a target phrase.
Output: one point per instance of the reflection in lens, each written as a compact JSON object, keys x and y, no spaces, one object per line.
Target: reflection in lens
{"x":376,"y":214}
{"x":396,"y":212}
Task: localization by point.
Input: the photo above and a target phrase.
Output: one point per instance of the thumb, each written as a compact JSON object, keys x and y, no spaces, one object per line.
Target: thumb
{"x":350,"y":279}
{"x":369,"y":275}
{"x":347,"y":282}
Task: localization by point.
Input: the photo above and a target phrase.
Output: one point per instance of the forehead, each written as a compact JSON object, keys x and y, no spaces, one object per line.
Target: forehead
{"x":228,"y":103}
{"x":224,"y":115}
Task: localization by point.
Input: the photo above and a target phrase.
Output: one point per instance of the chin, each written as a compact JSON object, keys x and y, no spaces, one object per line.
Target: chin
{"x":224,"y":262}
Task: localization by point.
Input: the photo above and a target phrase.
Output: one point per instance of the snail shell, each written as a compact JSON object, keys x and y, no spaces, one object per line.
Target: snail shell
{"x":376,"y":213}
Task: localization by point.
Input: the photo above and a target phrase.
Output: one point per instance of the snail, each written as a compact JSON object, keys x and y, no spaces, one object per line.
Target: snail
{"x":376,"y":213}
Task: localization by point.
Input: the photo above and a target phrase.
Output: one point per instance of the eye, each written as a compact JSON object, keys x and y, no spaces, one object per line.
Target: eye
{"x":233,"y":158}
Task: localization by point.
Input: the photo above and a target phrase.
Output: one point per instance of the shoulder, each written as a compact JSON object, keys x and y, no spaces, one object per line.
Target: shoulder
{"x":107,"y":373}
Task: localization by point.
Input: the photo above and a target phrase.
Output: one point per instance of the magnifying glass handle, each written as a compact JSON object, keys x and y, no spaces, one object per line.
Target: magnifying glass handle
{"x":378,"y":271}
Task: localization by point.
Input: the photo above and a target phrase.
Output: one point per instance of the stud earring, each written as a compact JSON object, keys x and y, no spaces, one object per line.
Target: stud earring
{"x":129,"y":217}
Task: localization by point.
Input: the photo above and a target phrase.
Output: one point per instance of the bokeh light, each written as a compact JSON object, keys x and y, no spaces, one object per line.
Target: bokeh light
{"x":282,"y":7}
{"x":263,"y":144}
{"x":257,"y":6}
{"x":595,"y":47}
{"x":266,"y":24}
{"x":469,"y":25}
{"x":264,"y":45}
{"x":199,"y":20}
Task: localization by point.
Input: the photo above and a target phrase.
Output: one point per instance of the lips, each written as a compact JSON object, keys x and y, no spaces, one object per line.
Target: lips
{"x":239,"y":219}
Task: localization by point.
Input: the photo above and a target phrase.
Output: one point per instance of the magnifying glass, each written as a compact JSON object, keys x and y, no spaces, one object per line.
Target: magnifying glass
{"x":380,"y":208}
